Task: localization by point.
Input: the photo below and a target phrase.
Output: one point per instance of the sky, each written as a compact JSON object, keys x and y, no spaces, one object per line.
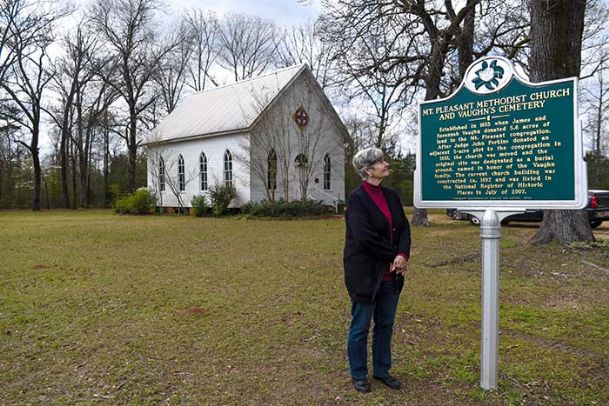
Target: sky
{"x":283,"y":12}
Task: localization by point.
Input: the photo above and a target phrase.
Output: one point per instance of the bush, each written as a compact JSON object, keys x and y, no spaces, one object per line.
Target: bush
{"x":284,"y":209}
{"x":200,"y":205}
{"x":139,"y":202}
{"x":221,"y":196}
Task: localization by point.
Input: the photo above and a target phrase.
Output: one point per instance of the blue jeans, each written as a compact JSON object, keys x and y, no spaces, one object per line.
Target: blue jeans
{"x":383,"y":313}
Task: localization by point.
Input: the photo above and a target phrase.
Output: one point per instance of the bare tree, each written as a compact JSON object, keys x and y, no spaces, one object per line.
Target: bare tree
{"x":311,"y":142}
{"x":304,"y":44}
{"x":441,"y":38}
{"x":29,"y":25}
{"x":268,"y":153}
{"x":10,"y":153}
{"x":171,"y":75}
{"x":383,"y":92}
{"x":155,"y":165}
{"x":11,"y":12}
{"x":105,"y":124}
{"x":261,"y":154}
{"x":594,"y":90}
{"x":247,"y":45}
{"x":203,"y":35}
{"x":309,"y":139}
{"x":92,"y":104}
{"x":73,"y":71}
{"x":596,"y":97}
{"x":136,"y":52}
{"x":431,"y":42}
{"x":555,"y":54}
{"x":595,"y":38}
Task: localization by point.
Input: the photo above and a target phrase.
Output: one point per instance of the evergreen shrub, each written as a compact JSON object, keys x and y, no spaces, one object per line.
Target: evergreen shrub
{"x":221,"y":195}
{"x":284,"y":209}
{"x":200,"y":205}
{"x":139,"y":202}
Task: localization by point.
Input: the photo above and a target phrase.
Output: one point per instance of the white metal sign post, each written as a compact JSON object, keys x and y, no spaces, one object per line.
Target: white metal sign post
{"x":498,"y":146}
{"x":490,"y":235}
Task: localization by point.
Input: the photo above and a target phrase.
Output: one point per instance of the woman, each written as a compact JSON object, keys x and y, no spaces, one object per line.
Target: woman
{"x":377,"y":249}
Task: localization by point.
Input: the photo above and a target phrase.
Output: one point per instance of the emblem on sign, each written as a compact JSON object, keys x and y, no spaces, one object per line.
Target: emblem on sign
{"x":301,"y":118}
{"x":488,"y":75}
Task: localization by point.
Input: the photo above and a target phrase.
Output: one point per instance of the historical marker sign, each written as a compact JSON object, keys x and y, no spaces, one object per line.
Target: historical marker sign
{"x":500,"y":141}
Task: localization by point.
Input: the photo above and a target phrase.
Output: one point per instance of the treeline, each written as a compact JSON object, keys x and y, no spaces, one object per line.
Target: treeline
{"x":598,"y":170}
{"x":95,"y":89}
{"x":16,"y":174}
{"x":121,"y":68}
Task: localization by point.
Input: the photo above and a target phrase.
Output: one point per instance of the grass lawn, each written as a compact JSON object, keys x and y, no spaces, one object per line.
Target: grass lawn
{"x":97,"y":308}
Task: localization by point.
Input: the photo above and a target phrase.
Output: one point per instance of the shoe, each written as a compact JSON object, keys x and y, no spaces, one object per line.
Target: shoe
{"x":389,"y":381}
{"x":361,"y":385}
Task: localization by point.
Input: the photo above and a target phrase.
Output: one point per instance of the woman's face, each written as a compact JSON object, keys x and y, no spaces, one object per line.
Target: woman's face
{"x":379,"y":170}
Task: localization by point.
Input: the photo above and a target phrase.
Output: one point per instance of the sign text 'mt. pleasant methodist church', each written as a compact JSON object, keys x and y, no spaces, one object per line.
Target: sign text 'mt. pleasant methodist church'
{"x":493,"y":106}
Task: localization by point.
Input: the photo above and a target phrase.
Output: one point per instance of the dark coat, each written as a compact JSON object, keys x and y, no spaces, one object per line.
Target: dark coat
{"x":368,"y":251}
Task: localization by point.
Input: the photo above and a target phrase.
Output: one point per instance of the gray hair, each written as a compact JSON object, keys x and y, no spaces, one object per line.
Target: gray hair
{"x":365,"y":159}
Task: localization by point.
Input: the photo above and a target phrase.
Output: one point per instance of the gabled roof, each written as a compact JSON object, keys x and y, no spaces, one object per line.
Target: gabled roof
{"x":225,"y":109}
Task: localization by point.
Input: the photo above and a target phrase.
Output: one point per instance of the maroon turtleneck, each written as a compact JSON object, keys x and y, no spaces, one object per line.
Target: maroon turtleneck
{"x":377,"y":196}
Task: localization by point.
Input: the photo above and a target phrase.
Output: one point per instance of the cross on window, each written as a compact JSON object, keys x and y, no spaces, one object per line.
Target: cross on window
{"x":301,"y":118}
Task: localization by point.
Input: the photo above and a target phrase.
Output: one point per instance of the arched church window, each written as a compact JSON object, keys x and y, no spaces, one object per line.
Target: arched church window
{"x":272,"y":170}
{"x":203,"y":171}
{"x":327,"y":172}
{"x":181,"y":174}
{"x":228,"y":168}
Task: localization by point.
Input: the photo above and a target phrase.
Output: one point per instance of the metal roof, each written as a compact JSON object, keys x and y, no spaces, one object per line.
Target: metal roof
{"x":224,"y":109}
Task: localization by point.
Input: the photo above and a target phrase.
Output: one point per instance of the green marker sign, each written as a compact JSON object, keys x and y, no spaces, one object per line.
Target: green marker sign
{"x":500,"y":141}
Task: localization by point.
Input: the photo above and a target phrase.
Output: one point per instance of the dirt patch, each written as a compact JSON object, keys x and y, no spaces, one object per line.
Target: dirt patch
{"x":458,"y":260}
{"x":553,"y":344}
{"x":601,"y":233}
{"x":439,"y":234}
{"x":440,"y":219}
{"x":192,"y":311}
{"x":569,"y":301}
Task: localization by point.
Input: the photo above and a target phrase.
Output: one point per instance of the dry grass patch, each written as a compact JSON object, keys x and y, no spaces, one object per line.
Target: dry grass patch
{"x":97,"y":308}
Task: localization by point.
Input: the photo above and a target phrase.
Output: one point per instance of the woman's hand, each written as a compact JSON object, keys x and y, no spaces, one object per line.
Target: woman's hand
{"x":399,"y":265}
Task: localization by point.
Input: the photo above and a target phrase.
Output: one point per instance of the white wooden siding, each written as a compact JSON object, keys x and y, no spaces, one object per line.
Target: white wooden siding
{"x":331,"y":142}
{"x":271,"y":99}
{"x":214,"y":148}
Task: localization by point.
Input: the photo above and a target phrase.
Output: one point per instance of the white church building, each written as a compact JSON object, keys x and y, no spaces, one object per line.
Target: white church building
{"x":272,"y":137}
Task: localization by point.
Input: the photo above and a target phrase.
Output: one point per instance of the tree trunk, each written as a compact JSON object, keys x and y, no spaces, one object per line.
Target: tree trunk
{"x":1,"y":179}
{"x":107,"y":197}
{"x":556,"y":38}
{"x":599,"y":129}
{"x":89,"y":164}
{"x":432,"y":91}
{"x":82,"y":179}
{"x":466,"y":57}
{"x":66,"y":128}
{"x":63,"y":163}
{"x":46,"y":193}
{"x":132,"y":151}
{"x":82,"y":170}
{"x":74,"y":184}
{"x":37,"y":172}
{"x":556,"y":41}
{"x":466,"y":40}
